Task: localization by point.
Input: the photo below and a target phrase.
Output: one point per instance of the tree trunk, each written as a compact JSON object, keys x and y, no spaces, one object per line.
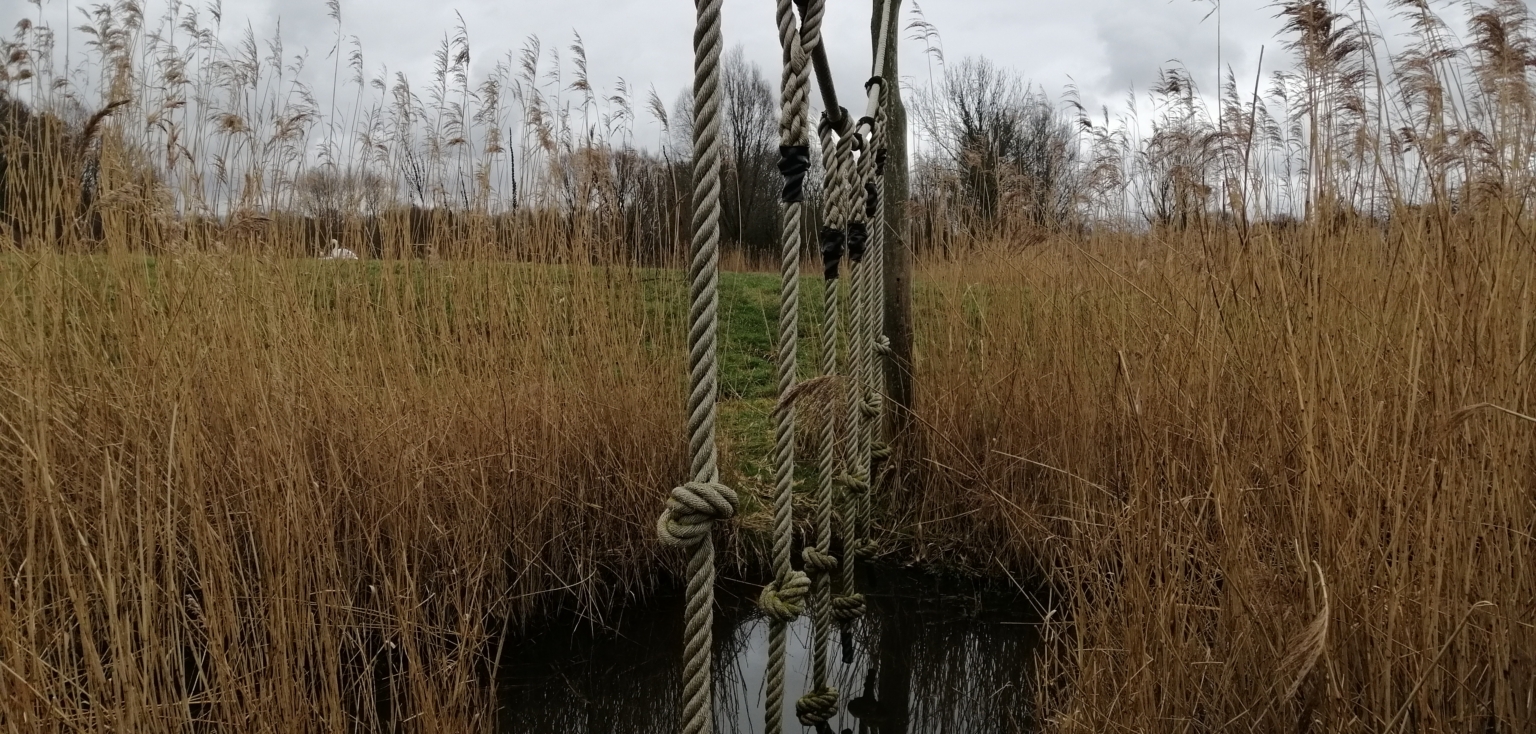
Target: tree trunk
{"x":898,"y":255}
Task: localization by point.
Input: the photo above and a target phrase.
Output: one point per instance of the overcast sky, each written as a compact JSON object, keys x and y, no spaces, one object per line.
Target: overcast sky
{"x":1103,"y":48}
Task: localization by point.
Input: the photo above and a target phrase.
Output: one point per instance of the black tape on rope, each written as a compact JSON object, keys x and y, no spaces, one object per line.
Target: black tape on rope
{"x":871,"y":200}
{"x":794,"y":161}
{"x":880,"y":156}
{"x":858,"y":234}
{"x":831,"y":251}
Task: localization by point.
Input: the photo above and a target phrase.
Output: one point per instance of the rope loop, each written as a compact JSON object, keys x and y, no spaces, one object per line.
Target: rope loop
{"x":692,"y":510}
{"x":817,"y":707}
{"x":847,"y":607}
{"x":817,"y":562}
{"x":826,"y":125}
{"x":784,"y":600}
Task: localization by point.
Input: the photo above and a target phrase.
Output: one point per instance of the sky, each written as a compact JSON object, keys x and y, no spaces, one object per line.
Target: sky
{"x":1102,"y":49}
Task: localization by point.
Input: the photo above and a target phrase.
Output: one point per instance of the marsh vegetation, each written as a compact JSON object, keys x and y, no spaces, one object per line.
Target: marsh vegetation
{"x":1245,"y":386}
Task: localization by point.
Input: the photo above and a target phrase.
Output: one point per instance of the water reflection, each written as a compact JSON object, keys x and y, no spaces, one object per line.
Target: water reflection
{"x":931,"y":656}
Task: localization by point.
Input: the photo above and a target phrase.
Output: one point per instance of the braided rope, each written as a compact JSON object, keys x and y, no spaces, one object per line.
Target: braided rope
{"x":822,"y":592}
{"x":818,"y":705}
{"x":783,"y":599}
{"x":810,"y":24}
{"x":870,"y":285}
{"x":878,"y":343}
{"x":693,"y":508}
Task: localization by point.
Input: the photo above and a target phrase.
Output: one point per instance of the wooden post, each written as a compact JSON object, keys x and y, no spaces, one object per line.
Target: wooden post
{"x":898,"y":254}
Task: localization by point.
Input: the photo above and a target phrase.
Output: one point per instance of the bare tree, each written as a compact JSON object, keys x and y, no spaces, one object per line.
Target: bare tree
{"x":332,"y":196}
{"x":1000,"y":145}
{"x":751,"y":138}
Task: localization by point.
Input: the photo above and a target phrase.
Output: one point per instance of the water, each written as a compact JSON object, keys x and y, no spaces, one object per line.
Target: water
{"x":929,"y":656}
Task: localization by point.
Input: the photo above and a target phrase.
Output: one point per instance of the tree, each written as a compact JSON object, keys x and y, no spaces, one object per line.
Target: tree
{"x":1000,"y":142}
{"x":330,"y":196}
{"x":750,"y":118}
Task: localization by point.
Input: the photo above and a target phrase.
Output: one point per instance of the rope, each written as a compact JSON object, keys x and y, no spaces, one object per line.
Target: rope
{"x":880,"y":451}
{"x":848,"y":605}
{"x":819,"y":704}
{"x":783,"y":600}
{"x":869,"y":413}
{"x":692,"y":509}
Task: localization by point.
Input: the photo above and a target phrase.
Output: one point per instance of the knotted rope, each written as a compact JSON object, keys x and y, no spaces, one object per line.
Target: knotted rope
{"x":693,"y":508}
{"x":820,"y":704}
{"x":784,"y":599}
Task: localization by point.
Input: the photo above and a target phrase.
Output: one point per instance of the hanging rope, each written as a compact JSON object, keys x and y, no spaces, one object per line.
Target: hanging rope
{"x":820,"y":704}
{"x":783,"y":599}
{"x":848,"y":604}
{"x":869,"y":277}
{"x":693,"y":508}
{"x":877,"y":342}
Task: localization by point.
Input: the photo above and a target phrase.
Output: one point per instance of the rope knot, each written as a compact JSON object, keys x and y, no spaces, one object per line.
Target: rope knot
{"x":784,"y":600}
{"x":883,"y":346}
{"x":817,"y":706}
{"x":880,"y":451}
{"x":692,"y":510}
{"x":847,"y":607}
{"x":860,"y":547}
{"x":852,"y":484}
{"x":818,"y":562}
{"x":870,"y":408}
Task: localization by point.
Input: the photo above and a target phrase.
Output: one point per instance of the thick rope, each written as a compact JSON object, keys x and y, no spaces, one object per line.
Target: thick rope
{"x":819,"y":561}
{"x":693,"y":508}
{"x":870,"y":281}
{"x":820,"y":704}
{"x":848,"y":604}
{"x":783,"y":599}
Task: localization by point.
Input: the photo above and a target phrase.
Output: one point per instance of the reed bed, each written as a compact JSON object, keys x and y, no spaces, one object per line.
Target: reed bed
{"x":1286,"y":487}
{"x":266,"y":494}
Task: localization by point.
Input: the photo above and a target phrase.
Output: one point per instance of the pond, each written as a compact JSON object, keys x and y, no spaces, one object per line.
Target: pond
{"x":931,"y":655}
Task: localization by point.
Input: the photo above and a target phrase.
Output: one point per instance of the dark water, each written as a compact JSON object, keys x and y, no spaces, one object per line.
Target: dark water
{"x":931,"y":655}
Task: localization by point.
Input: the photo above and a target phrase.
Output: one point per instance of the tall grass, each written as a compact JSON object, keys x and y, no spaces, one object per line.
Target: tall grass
{"x":1287,"y":487}
{"x":281,"y":495}
{"x":1272,"y":451}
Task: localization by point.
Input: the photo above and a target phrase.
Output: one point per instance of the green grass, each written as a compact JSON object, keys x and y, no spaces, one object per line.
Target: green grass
{"x":748,"y":354}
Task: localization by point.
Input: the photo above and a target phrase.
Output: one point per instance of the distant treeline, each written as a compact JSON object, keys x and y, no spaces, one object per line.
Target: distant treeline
{"x":194,"y":149}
